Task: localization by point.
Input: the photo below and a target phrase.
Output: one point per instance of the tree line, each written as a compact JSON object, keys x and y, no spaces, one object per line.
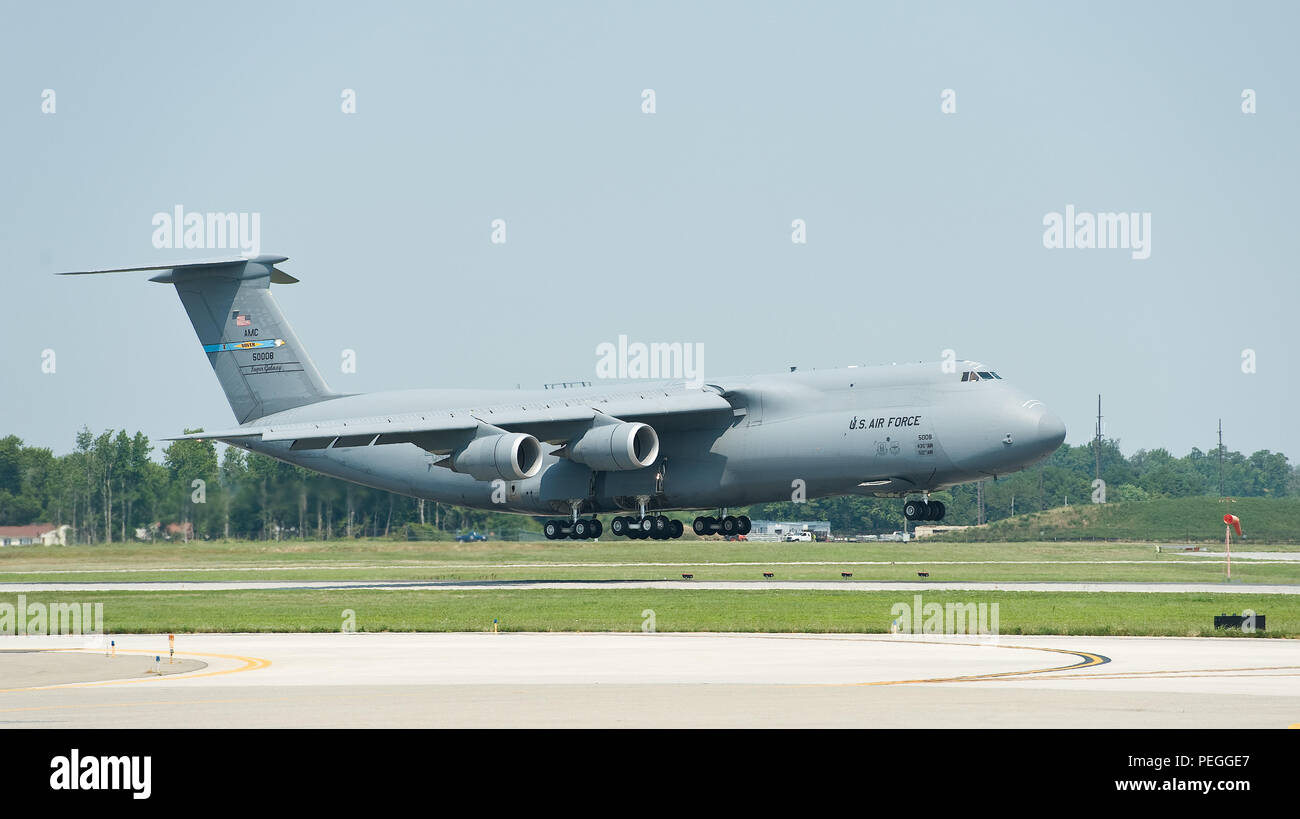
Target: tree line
{"x":1067,"y":477}
{"x":110,"y":489}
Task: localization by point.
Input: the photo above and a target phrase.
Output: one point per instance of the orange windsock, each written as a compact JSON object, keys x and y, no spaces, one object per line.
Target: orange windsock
{"x":1234,"y":522}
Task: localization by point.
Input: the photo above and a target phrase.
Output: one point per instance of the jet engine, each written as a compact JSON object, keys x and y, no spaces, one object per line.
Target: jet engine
{"x":510,"y":456}
{"x":616,"y":446}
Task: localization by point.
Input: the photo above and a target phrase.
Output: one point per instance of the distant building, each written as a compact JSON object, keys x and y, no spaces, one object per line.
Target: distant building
{"x":35,"y":534}
{"x":779,"y":529}
{"x":926,"y":531}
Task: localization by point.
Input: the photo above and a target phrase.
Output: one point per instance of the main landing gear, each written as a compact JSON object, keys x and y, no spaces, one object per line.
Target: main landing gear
{"x":579,"y":529}
{"x":924,"y":510}
{"x":729,"y":525}
{"x":643,"y":527}
{"x":654,"y":527}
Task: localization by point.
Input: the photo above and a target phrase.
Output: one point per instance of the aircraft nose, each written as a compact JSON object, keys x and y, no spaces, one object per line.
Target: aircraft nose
{"x":1051,"y":431}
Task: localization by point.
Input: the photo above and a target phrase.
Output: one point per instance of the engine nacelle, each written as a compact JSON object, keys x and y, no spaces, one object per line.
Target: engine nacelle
{"x":616,"y":446}
{"x":510,"y":456}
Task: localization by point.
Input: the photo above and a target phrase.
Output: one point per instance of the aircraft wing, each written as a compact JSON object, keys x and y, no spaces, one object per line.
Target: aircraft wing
{"x":441,"y":431}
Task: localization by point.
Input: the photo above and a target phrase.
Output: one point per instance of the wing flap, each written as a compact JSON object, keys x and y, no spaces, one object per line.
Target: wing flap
{"x":443,"y":431}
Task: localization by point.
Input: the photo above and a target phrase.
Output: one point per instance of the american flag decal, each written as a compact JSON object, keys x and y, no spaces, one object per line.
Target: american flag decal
{"x":241,"y":320}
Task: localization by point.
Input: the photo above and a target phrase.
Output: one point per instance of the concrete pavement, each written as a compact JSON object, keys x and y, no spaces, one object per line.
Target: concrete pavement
{"x":661,"y":680}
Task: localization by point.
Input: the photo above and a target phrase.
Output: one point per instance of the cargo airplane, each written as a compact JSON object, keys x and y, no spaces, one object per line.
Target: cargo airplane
{"x":631,"y":449}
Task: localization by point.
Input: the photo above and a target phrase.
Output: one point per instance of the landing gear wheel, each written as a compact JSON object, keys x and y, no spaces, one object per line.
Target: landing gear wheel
{"x":597,"y":528}
{"x":659,"y":527}
{"x":700,"y":526}
{"x":915,"y":510}
{"x":552,"y":530}
{"x":937,"y":510}
{"x":675,"y":529}
{"x":730,"y":525}
{"x":744,"y":524}
{"x":581,"y":529}
{"x":619,"y":526}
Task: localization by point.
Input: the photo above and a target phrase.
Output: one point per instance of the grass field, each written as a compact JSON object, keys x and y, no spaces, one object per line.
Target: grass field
{"x":624,"y":560}
{"x":1169,"y":520}
{"x":765,"y":610}
{"x":686,"y":610}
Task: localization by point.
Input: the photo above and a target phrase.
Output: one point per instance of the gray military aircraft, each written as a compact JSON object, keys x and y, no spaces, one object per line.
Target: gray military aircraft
{"x":638,"y":449}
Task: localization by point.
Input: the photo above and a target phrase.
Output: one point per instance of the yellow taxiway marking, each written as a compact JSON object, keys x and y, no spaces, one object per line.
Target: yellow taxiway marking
{"x":1174,"y":674}
{"x":296,"y":698}
{"x":78,"y":705}
{"x":1159,"y":676}
{"x":249,"y":664}
{"x":1086,"y":660}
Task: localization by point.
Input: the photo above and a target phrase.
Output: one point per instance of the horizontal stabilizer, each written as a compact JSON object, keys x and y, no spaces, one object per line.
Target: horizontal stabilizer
{"x":199,"y":266}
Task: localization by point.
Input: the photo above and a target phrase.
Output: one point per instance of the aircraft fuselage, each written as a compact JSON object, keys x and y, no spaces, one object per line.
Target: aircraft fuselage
{"x":887,"y":430}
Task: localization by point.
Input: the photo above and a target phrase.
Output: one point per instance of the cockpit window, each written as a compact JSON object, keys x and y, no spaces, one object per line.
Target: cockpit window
{"x":986,"y":375}
{"x":971,"y":375}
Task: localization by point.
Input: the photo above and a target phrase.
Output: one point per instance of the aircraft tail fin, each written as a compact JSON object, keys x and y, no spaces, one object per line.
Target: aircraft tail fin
{"x":261,"y":364}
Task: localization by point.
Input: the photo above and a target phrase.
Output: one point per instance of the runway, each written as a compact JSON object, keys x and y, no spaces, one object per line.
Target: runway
{"x":911,"y":586}
{"x":666,"y":680}
{"x":731,"y":585}
{"x":1254,"y":558}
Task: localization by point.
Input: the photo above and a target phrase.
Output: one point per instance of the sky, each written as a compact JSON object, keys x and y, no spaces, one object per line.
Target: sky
{"x":924,"y":226}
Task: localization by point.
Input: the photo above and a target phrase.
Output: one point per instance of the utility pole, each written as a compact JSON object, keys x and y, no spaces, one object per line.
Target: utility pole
{"x":1097,"y":441}
{"x":1220,"y":457}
